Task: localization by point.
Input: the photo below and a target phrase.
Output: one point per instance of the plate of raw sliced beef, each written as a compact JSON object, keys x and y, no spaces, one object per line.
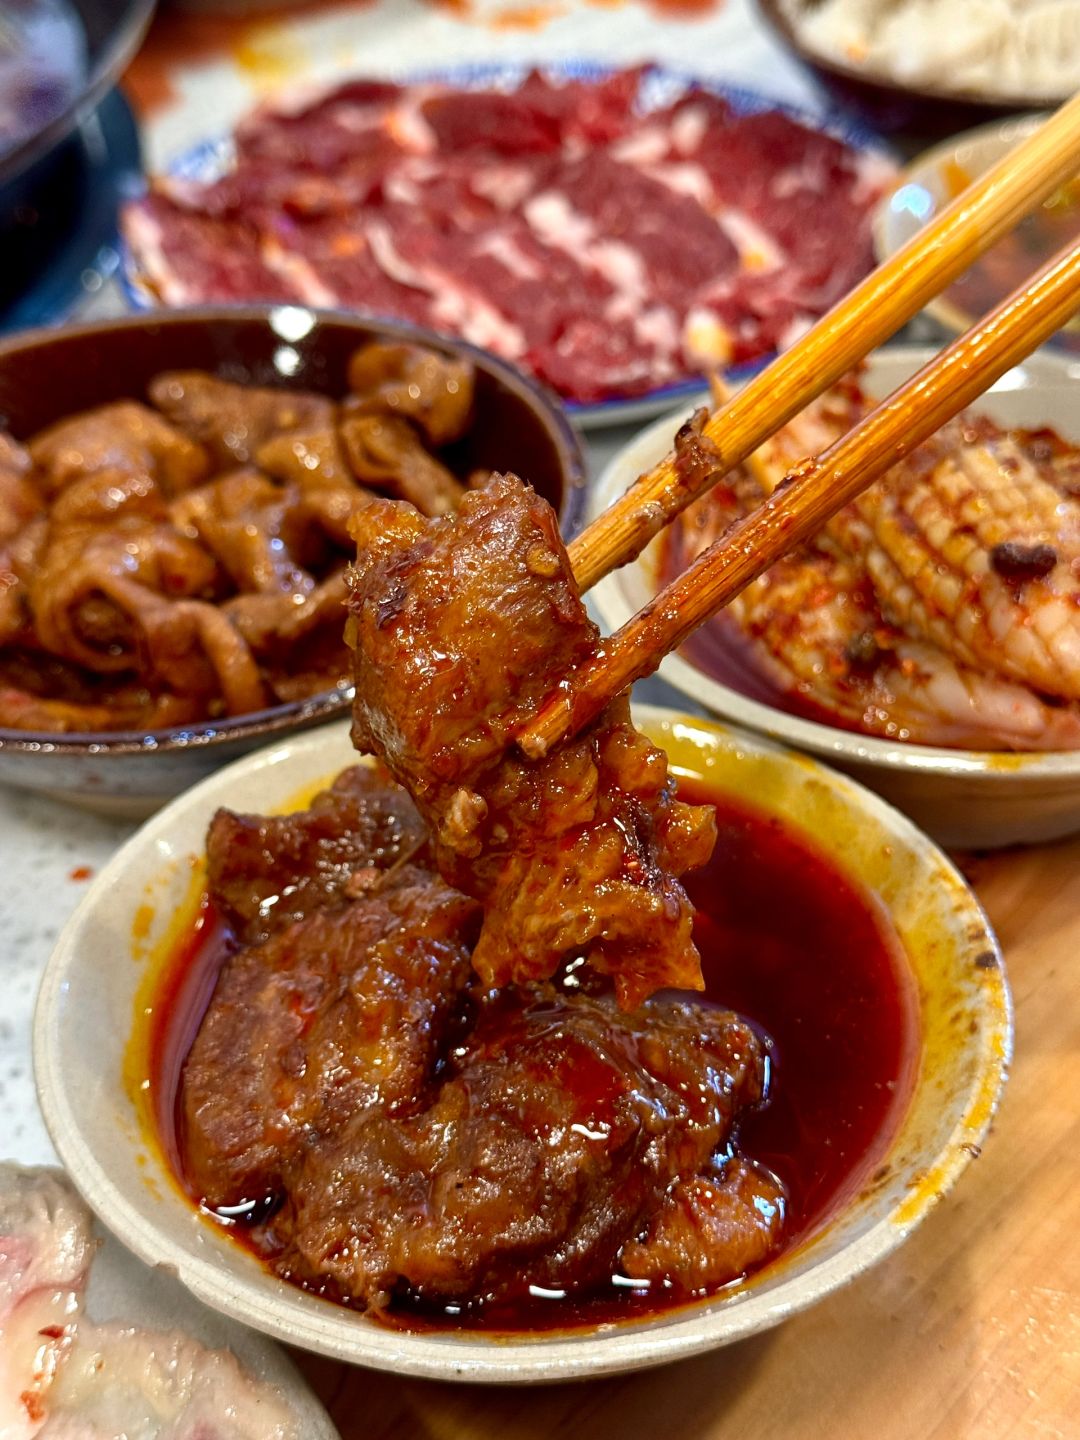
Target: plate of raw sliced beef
{"x":616,"y":233}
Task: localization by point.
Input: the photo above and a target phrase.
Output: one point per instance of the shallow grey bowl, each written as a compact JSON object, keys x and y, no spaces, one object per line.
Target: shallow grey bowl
{"x":960,"y":797}
{"x":91,"y":1057}
{"x":47,"y":374}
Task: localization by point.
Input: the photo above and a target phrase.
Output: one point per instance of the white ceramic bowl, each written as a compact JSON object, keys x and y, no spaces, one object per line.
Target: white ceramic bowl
{"x":960,"y":797}
{"x":98,"y":976}
{"x":932,"y":181}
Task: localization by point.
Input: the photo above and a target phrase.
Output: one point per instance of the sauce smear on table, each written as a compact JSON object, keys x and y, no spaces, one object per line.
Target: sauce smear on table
{"x":786,"y":941}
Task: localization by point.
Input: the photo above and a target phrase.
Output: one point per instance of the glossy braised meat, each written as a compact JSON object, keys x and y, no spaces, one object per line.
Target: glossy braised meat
{"x":119,"y":440}
{"x":555,"y":1139}
{"x":19,"y":499}
{"x":386,"y":453}
{"x":711,"y":1228}
{"x":267,"y":871}
{"x":336,"y":1016}
{"x":160,"y":571}
{"x":431,"y":390}
{"x":406,"y":1133}
{"x":461,"y":627}
{"x":234,"y":421}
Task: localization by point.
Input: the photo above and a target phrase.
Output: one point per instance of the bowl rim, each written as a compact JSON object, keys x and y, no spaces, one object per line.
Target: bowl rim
{"x":774,"y":16}
{"x":116,"y":54}
{"x":544,"y":403}
{"x":1022,"y":124}
{"x":827,"y":741}
{"x":298,"y":1318}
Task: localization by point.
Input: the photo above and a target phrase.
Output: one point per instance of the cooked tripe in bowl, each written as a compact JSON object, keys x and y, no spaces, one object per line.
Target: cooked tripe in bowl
{"x":169,"y":562}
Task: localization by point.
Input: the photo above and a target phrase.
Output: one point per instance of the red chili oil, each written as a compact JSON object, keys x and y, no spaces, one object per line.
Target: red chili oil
{"x":788,"y":942}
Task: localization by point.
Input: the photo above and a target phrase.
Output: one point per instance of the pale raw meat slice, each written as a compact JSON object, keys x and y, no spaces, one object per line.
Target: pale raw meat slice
{"x":147,"y":1385}
{"x":45,"y":1252}
{"x":63,"y":1377}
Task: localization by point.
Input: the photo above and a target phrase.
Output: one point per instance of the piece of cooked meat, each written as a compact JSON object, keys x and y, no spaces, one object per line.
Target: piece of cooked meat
{"x":19,"y":497}
{"x":335,"y":1016}
{"x":434,"y":391}
{"x":710,"y":1229}
{"x":121,"y":439}
{"x":561,"y":1127}
{"x":461,"y":627}
{"x":267,"y":871}
{"x":234,"y":421}
{"x":388,"y":454}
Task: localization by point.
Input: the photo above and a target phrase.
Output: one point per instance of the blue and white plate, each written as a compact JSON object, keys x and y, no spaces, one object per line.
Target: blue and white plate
{"x":660,"y":87}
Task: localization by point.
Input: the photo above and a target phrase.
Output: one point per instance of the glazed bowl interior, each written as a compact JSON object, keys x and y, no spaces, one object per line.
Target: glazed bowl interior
{"x":90,"y":1076}
{"x":960,"y":797}
{"x":49,"y":374}
{"x":932,"y":181}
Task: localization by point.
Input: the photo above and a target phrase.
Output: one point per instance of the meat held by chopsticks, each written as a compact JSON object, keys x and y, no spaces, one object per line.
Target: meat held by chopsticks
{"x":461,"y":626}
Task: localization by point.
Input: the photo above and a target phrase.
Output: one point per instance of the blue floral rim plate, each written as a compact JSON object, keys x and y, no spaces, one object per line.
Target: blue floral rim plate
{"x":660,"y":86}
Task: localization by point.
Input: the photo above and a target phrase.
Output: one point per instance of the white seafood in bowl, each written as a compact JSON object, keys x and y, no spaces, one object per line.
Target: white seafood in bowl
{"x":962,"y":796}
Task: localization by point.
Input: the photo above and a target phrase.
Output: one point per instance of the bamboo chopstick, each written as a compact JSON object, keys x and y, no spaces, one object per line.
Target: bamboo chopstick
{"x":812,"y":492}
{"x":871,"y":313}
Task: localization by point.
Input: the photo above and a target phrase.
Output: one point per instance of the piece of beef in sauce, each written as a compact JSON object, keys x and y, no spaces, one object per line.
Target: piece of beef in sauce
{"x":344,"y":994}
{"x":559,"y":1134}
{"x":266,"y":871}
{"x":461,"y":628}
{"x":338,"y":1016}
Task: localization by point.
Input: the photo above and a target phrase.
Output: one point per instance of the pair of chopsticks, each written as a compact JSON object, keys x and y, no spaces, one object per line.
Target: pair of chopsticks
{"x":820,"y":486}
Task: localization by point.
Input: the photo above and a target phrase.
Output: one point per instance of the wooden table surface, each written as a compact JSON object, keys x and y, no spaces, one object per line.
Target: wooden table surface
{"x":971,"y":1331}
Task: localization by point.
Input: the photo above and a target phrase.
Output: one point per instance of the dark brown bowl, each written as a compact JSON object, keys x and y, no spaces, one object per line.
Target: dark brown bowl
{"x":47,"y":374}
{"x":913,"y":116}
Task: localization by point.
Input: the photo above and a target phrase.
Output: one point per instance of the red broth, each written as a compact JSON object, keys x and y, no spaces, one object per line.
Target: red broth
{"x":788,"y":942}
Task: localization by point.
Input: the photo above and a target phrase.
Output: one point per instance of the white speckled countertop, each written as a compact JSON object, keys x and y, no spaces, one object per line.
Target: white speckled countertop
{"x":43,"y":845}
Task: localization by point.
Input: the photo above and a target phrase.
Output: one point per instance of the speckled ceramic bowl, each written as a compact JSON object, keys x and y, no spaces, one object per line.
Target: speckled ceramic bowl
{"x":45,"y":375}
{"x":89,"y":1056}
{"x":924,"y":111}
{"x":960,"y":797}
{"x":926,"y":186}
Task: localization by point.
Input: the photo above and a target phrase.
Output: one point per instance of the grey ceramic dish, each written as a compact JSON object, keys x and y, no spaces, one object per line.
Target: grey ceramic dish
{"x":89,"y":1061}
{"x":47,"y":374}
